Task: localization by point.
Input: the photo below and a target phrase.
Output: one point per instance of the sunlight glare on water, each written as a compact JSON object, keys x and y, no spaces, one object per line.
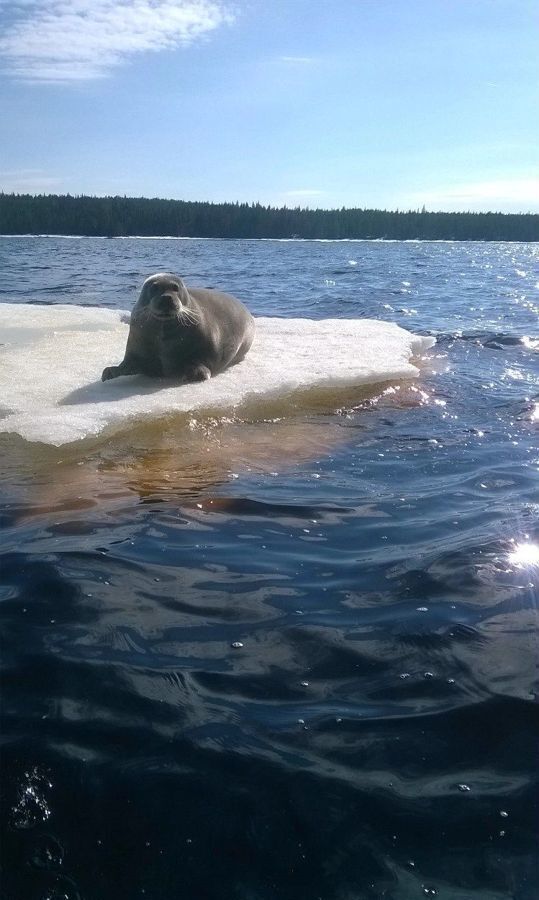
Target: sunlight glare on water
{"x":524,"y":555}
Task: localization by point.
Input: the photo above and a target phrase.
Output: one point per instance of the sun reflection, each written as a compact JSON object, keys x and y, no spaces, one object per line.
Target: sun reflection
{"x":526,"y":554}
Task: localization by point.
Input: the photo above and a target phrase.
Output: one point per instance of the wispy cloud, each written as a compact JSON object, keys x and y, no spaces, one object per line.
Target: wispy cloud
{"x":504,"y":194}
{"x":74,"y":40}
{"x":29,"y":181}
{"x":298,"y":60}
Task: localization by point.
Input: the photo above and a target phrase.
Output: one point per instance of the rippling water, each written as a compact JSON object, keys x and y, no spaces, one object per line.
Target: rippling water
{"x":290,"y":653}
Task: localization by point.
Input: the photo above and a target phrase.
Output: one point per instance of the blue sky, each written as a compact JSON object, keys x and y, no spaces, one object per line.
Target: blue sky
{"x":370,"y":103}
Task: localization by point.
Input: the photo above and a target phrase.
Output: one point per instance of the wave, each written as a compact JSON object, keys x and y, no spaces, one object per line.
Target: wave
{"x":491,"y":340}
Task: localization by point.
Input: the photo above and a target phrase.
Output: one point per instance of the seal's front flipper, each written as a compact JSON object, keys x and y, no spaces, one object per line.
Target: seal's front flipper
{"x":197,"y":373}
{"x":127,"y":367}
{"x":110,"y":372}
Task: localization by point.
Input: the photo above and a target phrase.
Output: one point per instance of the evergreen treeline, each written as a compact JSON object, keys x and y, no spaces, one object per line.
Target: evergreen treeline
{"x":122,"y":216}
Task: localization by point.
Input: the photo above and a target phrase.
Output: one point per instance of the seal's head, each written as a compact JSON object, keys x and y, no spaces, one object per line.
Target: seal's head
{"x":163,"y":297}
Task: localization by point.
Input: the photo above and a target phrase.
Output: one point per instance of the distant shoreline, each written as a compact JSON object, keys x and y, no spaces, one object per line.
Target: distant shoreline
{"x":297,"y":240}
{"x":139,"y":217}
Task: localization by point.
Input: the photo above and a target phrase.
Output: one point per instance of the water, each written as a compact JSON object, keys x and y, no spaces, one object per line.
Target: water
{"x":287,"y":651}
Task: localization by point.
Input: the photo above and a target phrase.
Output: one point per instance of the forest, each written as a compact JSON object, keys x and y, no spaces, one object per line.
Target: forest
{"x":130,"y":216}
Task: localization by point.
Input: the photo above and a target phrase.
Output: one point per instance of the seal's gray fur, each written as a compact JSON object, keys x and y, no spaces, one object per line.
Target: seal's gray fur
{"x":184,"y":333}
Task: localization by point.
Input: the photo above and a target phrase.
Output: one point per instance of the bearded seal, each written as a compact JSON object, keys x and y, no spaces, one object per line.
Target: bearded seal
{"x":185,"y":333}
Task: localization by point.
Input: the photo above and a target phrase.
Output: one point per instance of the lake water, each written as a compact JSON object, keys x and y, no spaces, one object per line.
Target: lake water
{"x":286,"y":650}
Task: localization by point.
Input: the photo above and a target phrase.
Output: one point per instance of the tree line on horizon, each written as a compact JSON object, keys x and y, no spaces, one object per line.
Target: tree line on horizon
{"x":141,"y":216}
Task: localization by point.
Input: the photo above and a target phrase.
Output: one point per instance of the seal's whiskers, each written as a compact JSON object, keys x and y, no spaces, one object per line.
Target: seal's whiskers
{"x":188,"y":316}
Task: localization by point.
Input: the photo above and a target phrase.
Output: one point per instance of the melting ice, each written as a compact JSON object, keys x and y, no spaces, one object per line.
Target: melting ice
{"x":53,"y":356}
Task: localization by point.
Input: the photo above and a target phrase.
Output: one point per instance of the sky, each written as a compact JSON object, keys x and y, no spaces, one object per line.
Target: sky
{"x":393,"y":104}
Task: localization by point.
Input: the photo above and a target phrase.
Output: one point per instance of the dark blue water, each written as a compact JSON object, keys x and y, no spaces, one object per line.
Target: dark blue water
{"x":376,"y":555}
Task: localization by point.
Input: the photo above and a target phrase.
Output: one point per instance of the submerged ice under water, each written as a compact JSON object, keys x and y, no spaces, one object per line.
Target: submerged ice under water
{"x":285,"y":650}
{"x":53,"y":358}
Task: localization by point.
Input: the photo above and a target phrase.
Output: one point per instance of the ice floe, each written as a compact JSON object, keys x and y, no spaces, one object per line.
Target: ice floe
{"x":52,"y":358}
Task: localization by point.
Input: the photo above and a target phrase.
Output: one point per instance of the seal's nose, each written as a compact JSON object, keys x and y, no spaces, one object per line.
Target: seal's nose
{"x":166,"y":302}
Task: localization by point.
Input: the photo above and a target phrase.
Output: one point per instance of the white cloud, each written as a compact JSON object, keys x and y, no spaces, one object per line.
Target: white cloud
{"x":503,"y":195}
{"x":74,"y":40}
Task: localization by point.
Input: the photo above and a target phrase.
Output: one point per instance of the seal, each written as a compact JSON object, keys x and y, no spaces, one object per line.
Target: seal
{"x":186,"y":333}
